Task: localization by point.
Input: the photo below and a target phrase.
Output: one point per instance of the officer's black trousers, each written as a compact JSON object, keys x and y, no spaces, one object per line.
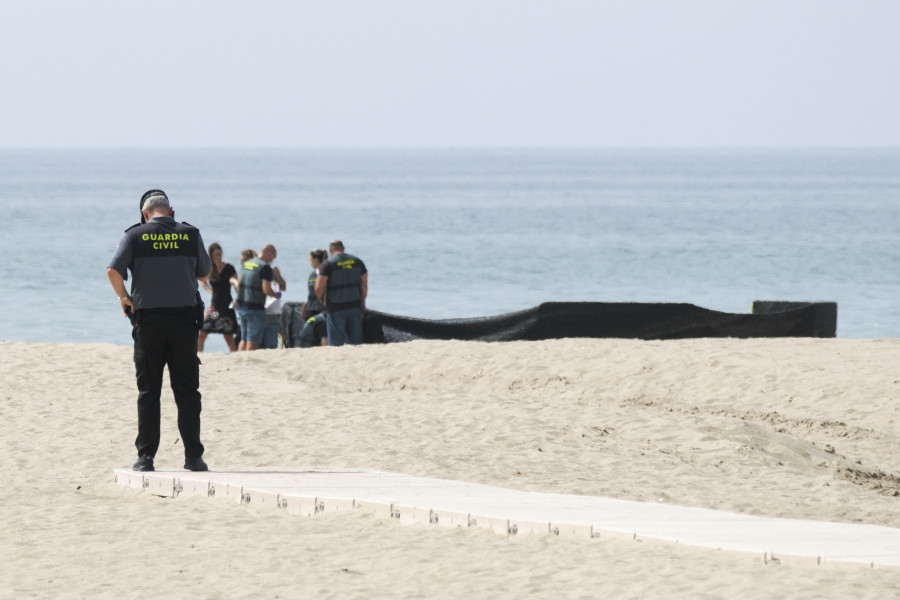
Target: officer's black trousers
{"x":167,"y":338}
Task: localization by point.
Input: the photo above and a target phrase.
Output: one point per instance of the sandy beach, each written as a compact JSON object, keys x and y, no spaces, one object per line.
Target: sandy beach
{"x":797,"y":428}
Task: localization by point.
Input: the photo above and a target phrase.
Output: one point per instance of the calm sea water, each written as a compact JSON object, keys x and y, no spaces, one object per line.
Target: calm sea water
{"x":463,"y":233}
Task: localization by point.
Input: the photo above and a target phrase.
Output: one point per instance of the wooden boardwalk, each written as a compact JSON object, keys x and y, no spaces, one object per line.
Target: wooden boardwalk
{"x":450,"y":503}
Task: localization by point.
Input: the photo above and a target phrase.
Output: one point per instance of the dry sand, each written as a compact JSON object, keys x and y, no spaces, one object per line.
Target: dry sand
{"x":795,"y":428}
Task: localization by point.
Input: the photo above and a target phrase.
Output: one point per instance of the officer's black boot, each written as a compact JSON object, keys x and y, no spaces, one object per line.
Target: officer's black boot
{"x":195,"y":464}
{"x":144,"y":463}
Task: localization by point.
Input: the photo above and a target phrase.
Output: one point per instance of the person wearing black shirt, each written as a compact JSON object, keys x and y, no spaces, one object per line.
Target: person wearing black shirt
{"x":342,"y":285}
{"x":220,"y":317}
{"x":254,"y":286}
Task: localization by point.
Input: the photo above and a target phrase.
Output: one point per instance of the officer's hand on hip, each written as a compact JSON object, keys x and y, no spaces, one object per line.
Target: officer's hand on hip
{"x":127,"y":305}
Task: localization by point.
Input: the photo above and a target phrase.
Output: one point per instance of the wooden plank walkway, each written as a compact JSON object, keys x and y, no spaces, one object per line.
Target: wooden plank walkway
{"x":516,"y":513}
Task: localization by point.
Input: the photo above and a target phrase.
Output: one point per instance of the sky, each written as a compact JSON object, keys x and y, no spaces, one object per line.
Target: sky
{"x":449,"y":73}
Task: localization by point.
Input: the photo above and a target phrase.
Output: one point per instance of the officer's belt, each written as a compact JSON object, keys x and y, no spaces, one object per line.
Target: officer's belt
{"x":179,"y":311}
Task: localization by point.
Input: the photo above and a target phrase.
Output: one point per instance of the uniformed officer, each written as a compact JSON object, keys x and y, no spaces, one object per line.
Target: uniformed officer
{"x":255,"y":286}
{"x":166,"y":260}
{"x":342,"y":285}
{"x":313,"y":333}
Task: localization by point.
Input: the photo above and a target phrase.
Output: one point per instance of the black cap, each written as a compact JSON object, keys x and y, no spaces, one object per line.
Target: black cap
{"x":146,"y":195}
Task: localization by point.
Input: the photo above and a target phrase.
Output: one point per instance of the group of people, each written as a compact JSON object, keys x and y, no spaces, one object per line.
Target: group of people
{"x":168,"y":262}
{"x":332,"y":312}
{"x":251,"y":321}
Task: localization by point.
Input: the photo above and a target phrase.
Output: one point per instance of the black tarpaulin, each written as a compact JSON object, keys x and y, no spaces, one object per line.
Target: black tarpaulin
{"x":647,"y":321}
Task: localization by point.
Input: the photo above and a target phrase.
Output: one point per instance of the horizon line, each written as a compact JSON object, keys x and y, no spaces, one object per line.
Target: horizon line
{"x":450,"y":147}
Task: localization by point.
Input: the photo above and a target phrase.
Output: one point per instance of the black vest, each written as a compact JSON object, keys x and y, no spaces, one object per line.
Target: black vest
{"x":345,"y":279}
{"x":154,"y":240}
{"x":164,"y":264}
{"x":312,"y":301}
{"x":250,"y":292}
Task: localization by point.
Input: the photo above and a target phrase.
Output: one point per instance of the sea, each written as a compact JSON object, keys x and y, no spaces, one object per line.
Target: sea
{"x":455,"y":233}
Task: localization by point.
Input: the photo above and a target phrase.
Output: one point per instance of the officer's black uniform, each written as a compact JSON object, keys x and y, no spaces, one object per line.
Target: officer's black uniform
{"x":165,"y":259}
